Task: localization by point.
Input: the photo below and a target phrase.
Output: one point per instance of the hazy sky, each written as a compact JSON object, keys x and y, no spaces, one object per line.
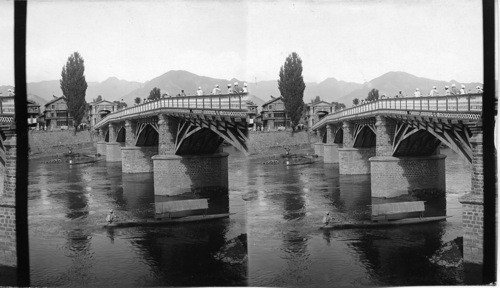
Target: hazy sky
{"x":349,"y":40}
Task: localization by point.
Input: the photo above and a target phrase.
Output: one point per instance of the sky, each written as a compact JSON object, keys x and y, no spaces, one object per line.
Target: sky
{"x":354,"y":41}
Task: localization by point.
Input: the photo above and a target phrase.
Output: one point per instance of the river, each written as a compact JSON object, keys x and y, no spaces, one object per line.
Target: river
{"x":280,"y":215}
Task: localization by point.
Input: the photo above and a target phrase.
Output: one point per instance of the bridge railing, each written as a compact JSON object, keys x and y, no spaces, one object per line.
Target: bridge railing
{"x":465,"y":103}
{"x":207,"y":102}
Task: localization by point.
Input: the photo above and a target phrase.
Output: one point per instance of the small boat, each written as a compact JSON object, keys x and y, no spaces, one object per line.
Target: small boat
{"x":162,"y":222}
{"x":369,"y":224}
{"x":301,"y":161}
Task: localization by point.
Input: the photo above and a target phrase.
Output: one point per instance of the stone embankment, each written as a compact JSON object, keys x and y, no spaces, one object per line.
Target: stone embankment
{"x":269,"y":143}
{"x":48,"y":143}
{"x":52,"y":143}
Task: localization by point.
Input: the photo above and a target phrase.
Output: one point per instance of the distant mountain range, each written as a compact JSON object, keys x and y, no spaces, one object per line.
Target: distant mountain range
{"x":174,"y":81}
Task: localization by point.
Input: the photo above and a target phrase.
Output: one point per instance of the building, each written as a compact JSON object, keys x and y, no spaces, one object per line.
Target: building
{"x":56,"y":115}
{"x":252,"y":115}
{"x":273,"y":115}
{"x":33,"y":113}
{"x":99,"y":109}
{"x":318,"y":110}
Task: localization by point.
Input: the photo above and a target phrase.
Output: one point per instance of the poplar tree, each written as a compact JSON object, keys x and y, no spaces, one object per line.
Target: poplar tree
{"x":291,"y":85}
{"x":74,"y":86}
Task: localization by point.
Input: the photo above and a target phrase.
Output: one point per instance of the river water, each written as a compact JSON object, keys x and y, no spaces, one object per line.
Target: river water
{"x":279,"y":208}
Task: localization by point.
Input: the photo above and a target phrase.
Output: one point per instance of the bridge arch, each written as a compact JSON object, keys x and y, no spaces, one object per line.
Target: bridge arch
{"x":147,"y":135}
{"x":339,"y":136}
{"x":106,"y":136}
{"x":120,"y":137}
{"x":364,"y":136}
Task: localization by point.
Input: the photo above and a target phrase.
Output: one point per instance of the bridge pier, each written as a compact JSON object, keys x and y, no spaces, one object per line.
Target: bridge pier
{"x":138,"y":159}
{"x":355,"y":160}
{"x":8,"y":255}
{"x":319,"y":149}
{"x":330,"y":149}
{"x":174,"y":174}
{"x":113,"y":148}
{"x":396,"y":176}
{"x":473,"y":203}
{"x":101,"y":148}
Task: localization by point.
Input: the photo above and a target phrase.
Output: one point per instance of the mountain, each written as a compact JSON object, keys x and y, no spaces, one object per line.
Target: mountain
{"x":329,"y":90}
{"x":110,"y":89}
{"x":392,"y":82}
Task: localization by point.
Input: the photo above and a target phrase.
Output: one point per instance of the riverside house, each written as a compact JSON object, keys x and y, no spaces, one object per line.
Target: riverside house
{"x":56,"y":115}
{"x":273,"y":115}
{"x":318,"y":110}
{"x":99,"y":109}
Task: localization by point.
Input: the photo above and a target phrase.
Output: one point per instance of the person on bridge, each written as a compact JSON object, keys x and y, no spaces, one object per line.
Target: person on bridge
{"x":199,"y":92}
{"x":454,"y":90}
{"x":479,"y":89}
{"x":462,"y":90}
{"x":447,"y":91}
{"x":236,"y":88}
{"x":245,"y":88}
{"x":400,"y":94}
{"x":182,"y":93}
{"x":417,"y":93}
{"x":216,"y":90}
{"x":434,"y":91}
{"x":229,"y":89}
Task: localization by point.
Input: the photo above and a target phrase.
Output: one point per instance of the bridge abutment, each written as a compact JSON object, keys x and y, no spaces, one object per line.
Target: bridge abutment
{"x":331,"y":153}
{"x":319,"y":149}
{"x":174,"y":174}
{"x":113,"y":151}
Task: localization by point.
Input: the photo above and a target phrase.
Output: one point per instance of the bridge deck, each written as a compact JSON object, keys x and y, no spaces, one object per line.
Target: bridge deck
{"x":461,"y":107}
{"x":227,"y":105}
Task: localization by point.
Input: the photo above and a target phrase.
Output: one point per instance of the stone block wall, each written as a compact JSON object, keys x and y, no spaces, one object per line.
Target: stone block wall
{"x":355,"y":160}
{"x":8,"y":255}
{"x":319,"y":149}
{"x":40,"y":140}
{"x":138,"y":159}
{"x":395,"y":176}
{"x":472,"y":223}
{"x":331,"y":153}
{"x":101,"y":147}
{"x":174,"y":175}
{"x":114,"y":152}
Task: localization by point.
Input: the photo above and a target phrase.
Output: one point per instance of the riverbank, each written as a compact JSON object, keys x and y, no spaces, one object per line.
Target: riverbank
{"x":54,"y":143}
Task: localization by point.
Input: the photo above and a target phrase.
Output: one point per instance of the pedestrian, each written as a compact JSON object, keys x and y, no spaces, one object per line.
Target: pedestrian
{"x":245,"y":88}
{"x":216,"y":90}
{"x":447,"y":91}
{"x":199,"y":92}
{"x":400,"y":94}
{"x":236,"y":88}
{"x":479,"y":89}
{"x":417,"y":93}
{"x":454,"y":90}
{"x":327,"y":219}
{"x":182,"y":93}
{"x":462,"y":90}
{"x":434,"y":91}
{"x":229,"y":89}
{"x":110,"y":217}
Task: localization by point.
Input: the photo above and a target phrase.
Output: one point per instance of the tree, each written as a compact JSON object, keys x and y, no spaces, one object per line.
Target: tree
{"x":137,"y":100}
{"x":99,"y":98}
{"x":355,"y":101}
{"x":316,"y":100}
{"x":155,"y":94}
{"x":291,"y":85}
{"x":372,"y":95}
{"x":120,"y":104}
{"x":74,"y":86}
{"x":338,"y":106}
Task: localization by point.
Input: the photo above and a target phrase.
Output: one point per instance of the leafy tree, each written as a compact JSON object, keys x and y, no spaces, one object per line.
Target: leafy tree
{"x":137,"y":100}
{"x":338,"y":106}
{"x":316,"y":100}
{"x":155,"y":94}
{"x":74,"y":86}
{"x":355,"y":101}
{"x":99,"y":98}
{"x":120,"y":104}
{"x":291,"y":85}
{"x":372,"y":95}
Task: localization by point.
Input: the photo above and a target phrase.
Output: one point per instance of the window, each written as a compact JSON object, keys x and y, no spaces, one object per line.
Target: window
{"x":53,"y":107}
{"x":270,"y":107}
{"x":282,"y":115}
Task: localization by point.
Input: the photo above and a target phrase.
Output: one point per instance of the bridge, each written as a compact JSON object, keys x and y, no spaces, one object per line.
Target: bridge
{"x":397,"y":142}
{"x":178,"y":139}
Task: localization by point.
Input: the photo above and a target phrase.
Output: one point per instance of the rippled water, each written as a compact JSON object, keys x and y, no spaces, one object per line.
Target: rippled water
{"x":281,"y":214}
